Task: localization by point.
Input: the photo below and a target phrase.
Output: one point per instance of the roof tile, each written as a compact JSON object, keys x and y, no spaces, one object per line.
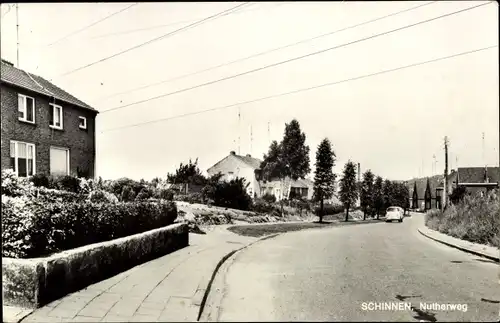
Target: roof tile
{"x":12,"y":75}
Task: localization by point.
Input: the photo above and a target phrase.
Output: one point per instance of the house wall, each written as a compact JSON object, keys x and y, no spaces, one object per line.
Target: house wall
{"x":240,"y":169}
{"x":81,"y":143}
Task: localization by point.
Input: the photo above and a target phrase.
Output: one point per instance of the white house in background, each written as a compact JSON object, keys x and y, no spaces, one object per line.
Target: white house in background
{"x":233,"y":166}
{"x":248,"y":167}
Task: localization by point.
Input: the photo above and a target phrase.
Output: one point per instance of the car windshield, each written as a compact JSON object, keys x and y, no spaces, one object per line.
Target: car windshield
{"x":392,"y":209}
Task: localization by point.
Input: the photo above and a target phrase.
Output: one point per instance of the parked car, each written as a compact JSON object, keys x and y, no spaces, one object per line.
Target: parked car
{"x":394,"y":213}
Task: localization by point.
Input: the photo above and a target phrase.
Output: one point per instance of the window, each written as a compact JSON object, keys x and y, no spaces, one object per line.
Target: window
{"x":56,"y":120}
{"x":230,"y":176}
{"x":83,"y":123}
{"x":59,"y":161}
{"x":22,"y":158}
{"x":26,"y":108}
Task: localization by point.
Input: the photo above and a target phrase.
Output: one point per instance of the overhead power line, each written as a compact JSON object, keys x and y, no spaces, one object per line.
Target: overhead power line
{"x":130,"y":31}
{"x":92,"y":24}
{"x":155,"y":39}
{"x":267,"y":51}
{"x":293,"y":59}
{"x":304,"y":89}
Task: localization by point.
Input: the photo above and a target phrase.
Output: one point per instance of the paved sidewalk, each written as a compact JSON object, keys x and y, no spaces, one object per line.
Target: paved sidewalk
{"x":489,"y":252}
{"x":170,"y":288}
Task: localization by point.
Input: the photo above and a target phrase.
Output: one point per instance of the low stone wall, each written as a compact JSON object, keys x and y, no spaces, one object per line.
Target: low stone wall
{"x":32,"y":283}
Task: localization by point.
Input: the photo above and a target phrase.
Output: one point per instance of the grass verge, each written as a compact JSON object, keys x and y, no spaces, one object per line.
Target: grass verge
{"x":259,"y":230}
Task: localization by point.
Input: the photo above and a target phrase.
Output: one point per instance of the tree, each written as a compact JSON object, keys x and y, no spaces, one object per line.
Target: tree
{"x":367,"y":193}
{"x":378,"y":195}
{"x":458,"y":194}
{"x":348,"y":187}
{"x":287,"y":160}
{"x":272,"y":165}
{"x":188,"y":173}
{"x":428,"y":196}
{"x":324,"y":179}
{"x":400,"y":196}
{"x":415,"y":196}
{"x":387,"y":192}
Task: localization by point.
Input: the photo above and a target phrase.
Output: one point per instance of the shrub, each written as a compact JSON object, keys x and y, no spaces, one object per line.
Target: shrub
{"x":458,"y":194}
{"x":330,"y":209}
{"x":13,"y":185}
{"x":128,"y":194}
{"x":116,"y":187}
{"x":190,"y":198}
{"x":270,"y":198}
{"x":36,"y":227}
{"x":41,"y":180}
{"x":144,"y":194}
{"x":475,"y":218}
{"x":101,"y":196}
{"x":230,"y":194}
{"x":67,"y":183}
{"x":165,"y":194}
{"x":260,"y":205}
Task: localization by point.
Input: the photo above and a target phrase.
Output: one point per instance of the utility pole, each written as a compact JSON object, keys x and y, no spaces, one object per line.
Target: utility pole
{"x":17,"y":32}
{"x":445,"y":189}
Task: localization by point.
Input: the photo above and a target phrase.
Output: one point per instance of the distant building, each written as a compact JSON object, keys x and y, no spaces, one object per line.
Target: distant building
{"x":248,"y":167}
{"x":424,"y":193}
{"x":476,"y":180}
{"x":44,"y":128}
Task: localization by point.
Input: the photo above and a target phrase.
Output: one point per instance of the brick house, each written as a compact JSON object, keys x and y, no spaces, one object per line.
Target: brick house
{"x":248,"y":167}
{"x":476,"y":180}
{"x":44,"y":129}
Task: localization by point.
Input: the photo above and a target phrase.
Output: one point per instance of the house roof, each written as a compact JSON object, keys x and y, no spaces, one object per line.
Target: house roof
{"x":251,"y":161}
{"x":302,"y":183}
{"x":477,"y":174}
{"x":17,"y":77}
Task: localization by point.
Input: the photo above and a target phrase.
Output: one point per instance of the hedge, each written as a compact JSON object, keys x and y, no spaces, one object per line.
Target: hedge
{"x":49,"y":223}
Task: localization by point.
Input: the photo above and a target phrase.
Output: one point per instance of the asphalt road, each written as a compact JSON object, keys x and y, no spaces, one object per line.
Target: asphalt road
{"x":330,"y":274}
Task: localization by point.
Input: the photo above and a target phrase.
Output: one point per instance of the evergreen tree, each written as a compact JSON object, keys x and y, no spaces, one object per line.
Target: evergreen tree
{"x":378,"y":195}
{"x":367,"y":193}
{"x":348,"y":187}
{"x":324,"y":179}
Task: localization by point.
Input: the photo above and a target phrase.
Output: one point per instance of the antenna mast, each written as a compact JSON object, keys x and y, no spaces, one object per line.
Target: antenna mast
{"x":268,"y":133}
{"x":239,"y":137}
{"x":251,"y":138}
{"x":17,"y":32}
{"x":484,"y":160}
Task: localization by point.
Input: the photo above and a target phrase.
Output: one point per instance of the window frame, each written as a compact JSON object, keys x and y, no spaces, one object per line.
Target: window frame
{"x":54,"y":108}
{"x":16,"y":156}
{"x":84,"y":127}
{"x":25,"y":112}
{"x":67,"y":158}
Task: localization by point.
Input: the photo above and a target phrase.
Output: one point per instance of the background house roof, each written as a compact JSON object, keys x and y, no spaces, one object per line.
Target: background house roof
{"x":252,"y":162}
{"x":14,"y":76}
{"x":476,"y":174}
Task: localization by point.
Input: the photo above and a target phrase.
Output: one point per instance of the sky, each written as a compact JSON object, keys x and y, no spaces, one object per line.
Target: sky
{"x":393,"y":123}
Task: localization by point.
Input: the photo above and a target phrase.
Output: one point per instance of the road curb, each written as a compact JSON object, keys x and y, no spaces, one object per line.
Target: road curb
{"x":219,"y":264}
{"x":477,"y":253}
